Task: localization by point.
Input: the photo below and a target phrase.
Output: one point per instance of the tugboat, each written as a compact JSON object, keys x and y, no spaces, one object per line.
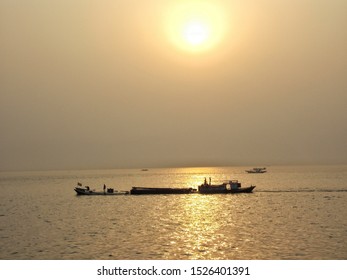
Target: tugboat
{"x":231,"y":186}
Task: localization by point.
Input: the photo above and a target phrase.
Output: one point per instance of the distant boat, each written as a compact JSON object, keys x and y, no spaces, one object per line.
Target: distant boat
{"x":144,"y":169}
{"x":257,"y":170}
{"x":143,"y":190}
{"x":231,"y":186}
{"x":107,"y":191}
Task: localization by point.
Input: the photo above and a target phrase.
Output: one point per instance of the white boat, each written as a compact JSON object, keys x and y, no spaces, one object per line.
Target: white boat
{"x":257,"y":170}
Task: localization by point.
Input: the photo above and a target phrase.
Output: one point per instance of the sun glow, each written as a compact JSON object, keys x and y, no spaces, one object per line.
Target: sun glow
{"x":196,"y":26}
{"x":196,"y":32}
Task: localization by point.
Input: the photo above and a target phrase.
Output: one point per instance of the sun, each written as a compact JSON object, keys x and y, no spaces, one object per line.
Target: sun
{"x":195,"y":26}
{"x":196,"y":32}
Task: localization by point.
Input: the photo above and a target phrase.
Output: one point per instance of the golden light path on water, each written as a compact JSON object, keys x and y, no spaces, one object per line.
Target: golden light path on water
{"x":199,"y":222}
{"x":200,"y":225}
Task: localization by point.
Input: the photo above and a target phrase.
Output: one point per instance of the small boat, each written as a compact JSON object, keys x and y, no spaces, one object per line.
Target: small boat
{"x":143,"y":190}
{"x":231,"y":186}
{"x":108,"y":191}
{"x":257,"y":170}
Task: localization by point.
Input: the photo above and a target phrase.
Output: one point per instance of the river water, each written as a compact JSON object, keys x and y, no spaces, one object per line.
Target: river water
{"x":295,"y":212}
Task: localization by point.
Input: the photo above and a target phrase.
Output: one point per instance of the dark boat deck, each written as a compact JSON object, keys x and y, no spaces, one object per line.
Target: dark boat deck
{"x":141,"y":190}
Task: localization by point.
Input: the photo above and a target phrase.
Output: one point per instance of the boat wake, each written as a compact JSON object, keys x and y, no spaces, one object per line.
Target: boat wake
{"x":305,"y":191}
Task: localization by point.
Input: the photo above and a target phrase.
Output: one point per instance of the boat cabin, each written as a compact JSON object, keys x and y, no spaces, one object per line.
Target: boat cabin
{"x":232,"y":185}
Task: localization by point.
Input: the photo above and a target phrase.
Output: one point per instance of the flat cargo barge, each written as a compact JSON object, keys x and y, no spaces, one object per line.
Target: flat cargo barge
{"x":143,"y":190}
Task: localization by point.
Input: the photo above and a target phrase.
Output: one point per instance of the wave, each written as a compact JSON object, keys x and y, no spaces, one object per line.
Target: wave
{"x":304,"y":191}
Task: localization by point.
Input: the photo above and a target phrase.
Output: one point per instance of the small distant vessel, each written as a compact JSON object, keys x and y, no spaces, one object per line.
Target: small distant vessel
{"x":144,"y":169}
{"x":231,"y":186}
{"x":257,"y":170}
{"x":107,"y":191}
{"x":143,"y":190}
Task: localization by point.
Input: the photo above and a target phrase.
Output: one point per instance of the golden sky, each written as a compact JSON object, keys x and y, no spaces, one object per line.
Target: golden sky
{"x":125,"y":83}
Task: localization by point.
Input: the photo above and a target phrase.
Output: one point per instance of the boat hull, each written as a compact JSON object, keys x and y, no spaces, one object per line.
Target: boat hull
{"x":140,"y":190}
{"x":83,"y":191}
{"x":256,"y":170}
{"x":208,"y":189}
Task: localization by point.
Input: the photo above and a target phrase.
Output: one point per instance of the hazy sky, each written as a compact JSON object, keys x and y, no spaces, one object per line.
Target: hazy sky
{"x":106,"y":84}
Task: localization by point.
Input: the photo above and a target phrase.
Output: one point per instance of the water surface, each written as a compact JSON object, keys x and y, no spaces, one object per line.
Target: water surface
{"x":296,"y":212}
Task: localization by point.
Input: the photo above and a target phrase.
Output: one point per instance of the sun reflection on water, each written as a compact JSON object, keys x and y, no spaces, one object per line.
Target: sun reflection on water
{"x":199,"y":233}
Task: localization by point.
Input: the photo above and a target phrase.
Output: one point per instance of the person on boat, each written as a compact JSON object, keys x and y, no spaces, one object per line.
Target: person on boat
{"x":104,"y":188}
{"x":205,"y":182}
